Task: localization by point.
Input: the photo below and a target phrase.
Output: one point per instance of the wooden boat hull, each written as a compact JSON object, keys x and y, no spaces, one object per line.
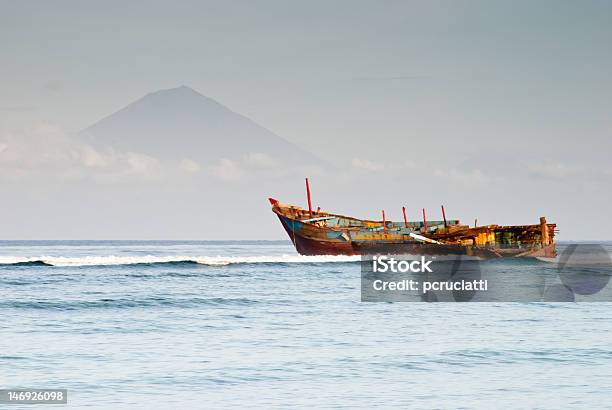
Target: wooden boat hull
{"x":312,"y":239}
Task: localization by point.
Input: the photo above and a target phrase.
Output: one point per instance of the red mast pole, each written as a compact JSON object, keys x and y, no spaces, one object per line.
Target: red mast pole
{"x":424,"y":221}
{"x":444,"y":216}
{"x":308,"y":195}
{"x":384,"y":222}
{"x":405,"y":220}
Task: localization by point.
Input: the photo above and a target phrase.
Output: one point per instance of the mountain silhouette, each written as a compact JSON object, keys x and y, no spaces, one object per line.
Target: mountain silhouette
{"x":180,"y":123}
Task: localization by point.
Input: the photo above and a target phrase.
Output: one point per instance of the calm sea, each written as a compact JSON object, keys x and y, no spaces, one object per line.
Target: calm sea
{"x":159,"y":325}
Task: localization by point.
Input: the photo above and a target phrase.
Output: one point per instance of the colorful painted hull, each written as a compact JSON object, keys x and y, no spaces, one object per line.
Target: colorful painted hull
{"x":331,"y":234}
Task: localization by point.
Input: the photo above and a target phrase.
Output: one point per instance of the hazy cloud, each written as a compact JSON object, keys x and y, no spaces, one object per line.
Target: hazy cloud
{"x":46,"y":151}
{"x":468,"y":178}
{"x":92,"y":158}
{"x":375,"y":166}
{"x":143,"y":165}
{"x":554,"y":169}
{"x":228,"y":170}
{"x":261,"y":160}
{"x":189,"y":165}
{"x":366,"y":164}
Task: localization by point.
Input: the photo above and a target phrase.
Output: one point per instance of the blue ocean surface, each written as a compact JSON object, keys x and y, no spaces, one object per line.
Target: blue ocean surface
{"x":196,"y":324}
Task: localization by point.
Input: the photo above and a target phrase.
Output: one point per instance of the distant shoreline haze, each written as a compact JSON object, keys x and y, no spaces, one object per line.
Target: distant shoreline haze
{"x":176,"y":164}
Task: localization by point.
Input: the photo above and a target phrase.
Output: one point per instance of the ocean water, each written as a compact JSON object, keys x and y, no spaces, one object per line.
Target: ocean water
{"x":159,"y":325}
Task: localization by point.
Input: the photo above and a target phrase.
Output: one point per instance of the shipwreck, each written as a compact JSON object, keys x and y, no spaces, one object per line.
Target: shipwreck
{"x":314,"y":232}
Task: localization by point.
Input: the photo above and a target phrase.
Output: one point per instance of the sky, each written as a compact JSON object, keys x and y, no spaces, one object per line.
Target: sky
{"x":500,"y":110}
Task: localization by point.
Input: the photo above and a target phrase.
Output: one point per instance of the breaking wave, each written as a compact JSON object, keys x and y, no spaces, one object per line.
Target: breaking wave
{"x":169,"y":260}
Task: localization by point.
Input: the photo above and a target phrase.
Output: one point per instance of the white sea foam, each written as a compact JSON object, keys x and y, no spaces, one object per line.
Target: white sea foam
{"x":149,"y":259}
